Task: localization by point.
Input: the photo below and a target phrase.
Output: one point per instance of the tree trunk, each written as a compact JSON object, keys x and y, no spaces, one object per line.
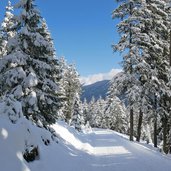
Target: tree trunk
{"x":155,"y":121}
{"x":139,"y":125}
{"x":170,"y":48}
{"x":165,"y":135}
{"x":131,"y":125}
{"x":131,"y":72}
{"x":155,"y":131}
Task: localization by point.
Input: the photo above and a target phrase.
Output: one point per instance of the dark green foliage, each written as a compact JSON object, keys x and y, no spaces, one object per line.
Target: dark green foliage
{"x":31,"y":155}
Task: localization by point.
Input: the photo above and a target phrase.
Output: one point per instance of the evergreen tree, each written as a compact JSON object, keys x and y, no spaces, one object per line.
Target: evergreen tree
{"x":29,"y":71}
{"x":116,"y":118}
{"x":128,"y":45}
{"x":1,"y":45}
{"x":77,"y":119}
{"x":72,"y":87}
{"x":91,"y":111}
{"x":99,"y":113}
{"x":44,"y":31}
{"x":7,"y":28}
{"x":63,"y":67}
{"x":144,"y":34}
{"x":154,"y":67}
{"x":85,"y":110}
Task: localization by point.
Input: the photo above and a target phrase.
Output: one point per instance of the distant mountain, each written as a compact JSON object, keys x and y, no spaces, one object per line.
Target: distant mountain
{"x":97,"y":89}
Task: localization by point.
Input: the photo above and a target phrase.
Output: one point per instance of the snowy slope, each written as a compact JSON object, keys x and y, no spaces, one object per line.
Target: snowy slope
{"x":92,"y":150}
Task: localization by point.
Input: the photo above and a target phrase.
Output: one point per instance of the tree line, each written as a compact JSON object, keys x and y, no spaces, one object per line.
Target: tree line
{"x":144,"y":86}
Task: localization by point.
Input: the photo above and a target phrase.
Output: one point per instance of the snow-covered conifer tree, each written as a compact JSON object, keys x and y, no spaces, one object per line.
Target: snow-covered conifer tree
{"x":91,"y":111}
{"x":1,"y":45}
{"x":85,"y":110}
{"x":147,"y":24}
{"x":77,"y":119}
{"x":154,"y":65}
{"x":128,"y":45}
{"x":63,"y":67}
{"x":99,"y":113}
{"x":115,"y":112}
{"x":94,"y":112}
{"x":44,"y":31}
{"x":7,"y":28}
{"x":72,"y":87}
{"x":29,"y":70}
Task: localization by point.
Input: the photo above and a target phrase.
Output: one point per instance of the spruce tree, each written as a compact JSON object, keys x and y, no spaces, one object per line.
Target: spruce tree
{"x":63,"y":86}
{"x":7,"y":28}
{"x":115,"y":112}
{"x":99,"y":113}
{"x":77,"y":119}
{"x":154,"y":66}
{"x":85,"y":110}
{"x":72,"y":87}
{"x":128,"y":46}
{"x":29,"y":71}
{"x":145,"y":28}
{"x":91,"y":112}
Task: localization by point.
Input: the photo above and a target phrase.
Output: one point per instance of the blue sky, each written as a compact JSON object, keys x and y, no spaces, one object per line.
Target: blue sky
{"x":83,"y":32}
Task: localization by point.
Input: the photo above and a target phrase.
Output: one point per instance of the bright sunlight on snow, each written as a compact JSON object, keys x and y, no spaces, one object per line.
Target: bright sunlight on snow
{"x":4,"y":133}
{"x":91,"y":150}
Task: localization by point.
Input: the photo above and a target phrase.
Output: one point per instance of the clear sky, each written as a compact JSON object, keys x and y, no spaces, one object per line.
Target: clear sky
{"x":83,"y":32}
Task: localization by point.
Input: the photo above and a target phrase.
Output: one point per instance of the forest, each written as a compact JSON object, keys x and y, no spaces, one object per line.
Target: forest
{"x":43,"y":88}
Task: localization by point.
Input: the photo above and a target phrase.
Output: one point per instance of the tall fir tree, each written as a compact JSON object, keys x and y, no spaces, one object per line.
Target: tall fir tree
{"x":128,"y":46}
{"x":115,"y":111}
{"x":7,"y":28}
{"x":91,"y":111}
{"x":72,"y":87}
{"x":99,"y":113}
{"x":77,"y":119}
{"x":29,"y":71}
{"x":85,"y":110}
{"x":154,"y":67}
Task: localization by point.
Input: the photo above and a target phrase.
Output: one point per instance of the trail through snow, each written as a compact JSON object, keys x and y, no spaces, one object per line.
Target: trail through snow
{"x":92,"y":150}
{"x":106,"y":150}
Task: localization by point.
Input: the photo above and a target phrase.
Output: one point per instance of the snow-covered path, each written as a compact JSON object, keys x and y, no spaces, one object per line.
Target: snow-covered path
{"x":112,"y":152}
{"x":105,"y":150}
{"x":93,"y":150}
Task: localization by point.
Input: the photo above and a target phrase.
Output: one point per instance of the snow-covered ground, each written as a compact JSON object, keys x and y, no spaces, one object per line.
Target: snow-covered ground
{"x":92,"y":150}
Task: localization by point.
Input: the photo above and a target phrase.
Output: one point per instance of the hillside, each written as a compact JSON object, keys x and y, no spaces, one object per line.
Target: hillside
{"x":97,"y":89}
{"x":91,"y":150}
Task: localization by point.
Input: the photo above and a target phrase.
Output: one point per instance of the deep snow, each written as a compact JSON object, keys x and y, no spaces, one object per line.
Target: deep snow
{"x":91,"y":150}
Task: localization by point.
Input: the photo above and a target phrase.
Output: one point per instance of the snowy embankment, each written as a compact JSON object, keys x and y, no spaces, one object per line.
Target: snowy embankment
{"x":92,"y":150}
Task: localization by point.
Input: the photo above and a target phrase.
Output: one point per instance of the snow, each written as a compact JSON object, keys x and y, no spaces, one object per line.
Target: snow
{"x":18,"y":92}
{"x":90,"y":150}
{"x":20,"y":3}
{"x":32,"y":98}
{"x":14,"y":75}
{"x":10,"y":108}
{"x":31,"y":80}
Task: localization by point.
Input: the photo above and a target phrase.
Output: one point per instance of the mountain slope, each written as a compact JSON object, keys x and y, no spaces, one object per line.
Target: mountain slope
{"x":97,"y":89}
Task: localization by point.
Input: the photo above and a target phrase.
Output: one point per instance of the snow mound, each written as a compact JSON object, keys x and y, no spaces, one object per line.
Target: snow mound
{"x":15,"y":138}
